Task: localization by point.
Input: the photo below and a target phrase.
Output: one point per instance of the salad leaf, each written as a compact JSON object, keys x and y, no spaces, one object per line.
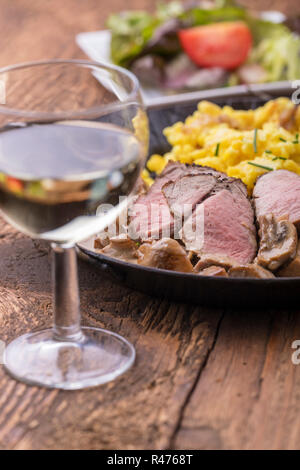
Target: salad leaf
{"x":277,"y":49}
{"x":165,"y":41}
{"x":131,"y":30}
{"x":150,"y":69}
{"x":166,"y":11}
{"x":137,"y":34}
{"x":198,"y":16}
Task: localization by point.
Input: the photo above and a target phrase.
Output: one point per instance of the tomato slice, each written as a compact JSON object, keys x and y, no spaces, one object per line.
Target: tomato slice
{"x":224,"y":45}
{"x":14,"y":185}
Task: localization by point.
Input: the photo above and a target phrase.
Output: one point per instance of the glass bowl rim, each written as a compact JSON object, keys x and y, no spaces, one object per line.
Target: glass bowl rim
{"x":99,"y":109}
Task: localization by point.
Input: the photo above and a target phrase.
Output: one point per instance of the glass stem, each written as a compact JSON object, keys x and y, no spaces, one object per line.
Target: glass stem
{"x":66,"y":294}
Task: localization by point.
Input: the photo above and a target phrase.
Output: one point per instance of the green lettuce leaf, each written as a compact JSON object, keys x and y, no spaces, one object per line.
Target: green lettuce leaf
{"x":277,"y":49}
{"x":130,"y":30}
{"x":198,"y":16}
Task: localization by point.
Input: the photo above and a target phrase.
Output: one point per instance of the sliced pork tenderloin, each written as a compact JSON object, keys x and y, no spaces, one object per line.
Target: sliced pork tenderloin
{"x":278,"y":193}
{"x":223,"y":225}
{"x":188,"y":190}
{"x":228,"y":229}
{"x":152,"y":215}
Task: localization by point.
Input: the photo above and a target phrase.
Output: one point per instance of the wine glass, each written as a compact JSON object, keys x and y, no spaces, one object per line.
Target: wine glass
{"x":73,"y":136}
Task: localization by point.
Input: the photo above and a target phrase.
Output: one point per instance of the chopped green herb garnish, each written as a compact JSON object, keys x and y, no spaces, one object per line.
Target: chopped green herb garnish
{"x":296,"y":141}
{"x":282,"y":139}
{"x":279,"y":158}
{"x":268,"y":168}
{"x":268,"y":151}
{"x":217,"y":149}
{"x":255,"y":141}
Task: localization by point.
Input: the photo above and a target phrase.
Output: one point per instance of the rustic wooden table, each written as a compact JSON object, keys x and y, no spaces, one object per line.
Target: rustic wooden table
{"x":204,"y":378}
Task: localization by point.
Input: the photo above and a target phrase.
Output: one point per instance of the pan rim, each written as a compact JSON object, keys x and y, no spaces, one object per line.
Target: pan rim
{"x":118,"y":262}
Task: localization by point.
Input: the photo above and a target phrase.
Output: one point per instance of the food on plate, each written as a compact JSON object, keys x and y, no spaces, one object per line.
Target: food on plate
{"x":177,"y":192}
{"x":187,"y":189}
{"x":150,"y":213}
{"x":224,"y":201}
{"x":228,"y":221}
{"x":250,"y":271}
{"x":278,"y":242}
{"x":278,"y":193}
{"x":204,"y":44}
{"x":207,"y":261}
{"x":218,"y":236}
{"x":241,"y":143}
{"x":121,"y":247}
{"x":165,"y":254}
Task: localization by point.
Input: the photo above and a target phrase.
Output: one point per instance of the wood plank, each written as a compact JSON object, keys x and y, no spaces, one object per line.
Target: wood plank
{"x":247,"y":396}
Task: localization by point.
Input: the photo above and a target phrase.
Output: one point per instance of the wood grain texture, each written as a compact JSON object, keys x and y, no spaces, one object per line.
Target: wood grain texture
{"x":141,"y":409}
{"x":203,"y":378}
{"x":250,"y":384}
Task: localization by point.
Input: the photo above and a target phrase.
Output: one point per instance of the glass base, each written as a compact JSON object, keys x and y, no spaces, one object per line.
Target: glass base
{"x":98,"y":357}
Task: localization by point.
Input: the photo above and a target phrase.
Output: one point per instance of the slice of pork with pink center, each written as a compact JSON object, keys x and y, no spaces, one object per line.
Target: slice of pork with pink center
{"x":151,"y":216}
{"x":184,"y":194}
{"x":278,"y":193}
{"x":222,"y":225}
{"x":188,"y":191}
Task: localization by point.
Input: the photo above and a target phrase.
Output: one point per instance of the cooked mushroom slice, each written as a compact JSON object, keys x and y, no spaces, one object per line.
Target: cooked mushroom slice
{"x":287,"y":118}
{"x":193,"y":257}
{"x":250,"y":270}
{"x":101,"y":241}
{"x":293,"y":268}
{"x":216,"y":271}
{"x":222,"y":261}
{"x":121,"y":247}
{"x":165,"y":254}
{"x":278,"y":242}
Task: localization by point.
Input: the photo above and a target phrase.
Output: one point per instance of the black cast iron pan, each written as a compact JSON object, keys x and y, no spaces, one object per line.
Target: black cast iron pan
{"x":192,"y":287}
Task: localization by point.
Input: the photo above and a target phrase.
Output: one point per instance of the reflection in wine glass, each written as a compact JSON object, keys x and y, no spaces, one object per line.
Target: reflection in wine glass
{"x":73,"y":135}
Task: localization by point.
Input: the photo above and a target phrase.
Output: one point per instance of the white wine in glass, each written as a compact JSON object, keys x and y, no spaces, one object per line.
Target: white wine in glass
{"x":73,"y":135}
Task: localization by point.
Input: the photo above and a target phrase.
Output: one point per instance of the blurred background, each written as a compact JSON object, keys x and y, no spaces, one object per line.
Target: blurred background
{"x":35,"y":29}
